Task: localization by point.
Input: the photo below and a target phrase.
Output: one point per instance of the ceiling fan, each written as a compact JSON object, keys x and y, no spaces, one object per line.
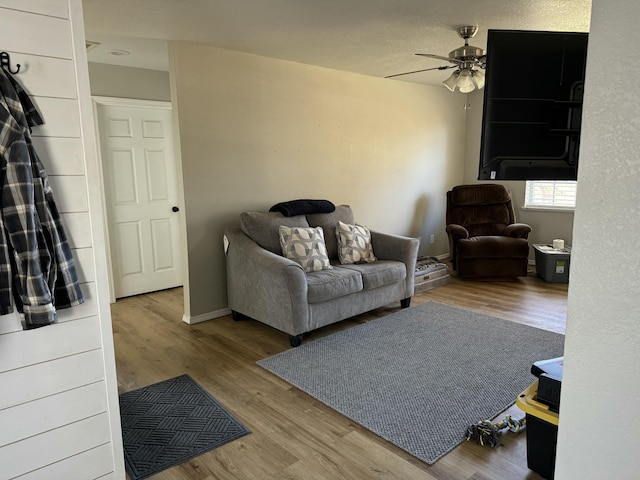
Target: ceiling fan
{"x":469,"y":61}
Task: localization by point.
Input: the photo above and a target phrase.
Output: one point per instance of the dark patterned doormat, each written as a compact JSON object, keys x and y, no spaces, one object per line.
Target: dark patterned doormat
{"x":169,"y":422}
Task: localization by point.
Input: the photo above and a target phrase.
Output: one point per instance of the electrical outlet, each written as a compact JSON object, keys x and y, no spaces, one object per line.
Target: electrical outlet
{"x":432,"y":238}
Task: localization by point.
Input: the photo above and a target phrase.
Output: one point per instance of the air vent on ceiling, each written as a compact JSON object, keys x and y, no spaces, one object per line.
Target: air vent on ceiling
{"x":89,"y":44}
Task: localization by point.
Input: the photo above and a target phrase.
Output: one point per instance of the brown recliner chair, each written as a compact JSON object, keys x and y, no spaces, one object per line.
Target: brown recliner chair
{"x":485,"y":241}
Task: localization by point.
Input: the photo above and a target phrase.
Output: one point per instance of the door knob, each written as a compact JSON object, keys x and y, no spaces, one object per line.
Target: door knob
{"x":175,"y":209}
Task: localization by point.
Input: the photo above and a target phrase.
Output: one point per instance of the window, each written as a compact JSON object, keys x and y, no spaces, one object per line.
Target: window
{"x":558,"y":194}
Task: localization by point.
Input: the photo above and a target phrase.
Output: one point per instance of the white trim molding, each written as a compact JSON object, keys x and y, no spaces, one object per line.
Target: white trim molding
{"x":205,"y":316}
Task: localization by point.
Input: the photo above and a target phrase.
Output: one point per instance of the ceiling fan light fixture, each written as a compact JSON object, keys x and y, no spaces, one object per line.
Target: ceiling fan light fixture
{"x":467,"y":88}
{"x":465,"y":85}
{"x":467,"y":60}
{"x":452,"y":81}
{"x":478,"y":79}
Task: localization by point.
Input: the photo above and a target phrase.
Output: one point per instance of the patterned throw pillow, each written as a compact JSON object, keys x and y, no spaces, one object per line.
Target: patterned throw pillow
{"x":354,"y":244}
{"x":305,"y":246}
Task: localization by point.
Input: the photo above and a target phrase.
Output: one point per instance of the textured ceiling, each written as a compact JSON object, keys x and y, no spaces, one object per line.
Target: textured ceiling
{"x":371,"y":37}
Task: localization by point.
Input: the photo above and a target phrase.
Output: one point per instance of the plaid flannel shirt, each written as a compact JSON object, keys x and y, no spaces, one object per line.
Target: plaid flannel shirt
{"x":36,"y":265}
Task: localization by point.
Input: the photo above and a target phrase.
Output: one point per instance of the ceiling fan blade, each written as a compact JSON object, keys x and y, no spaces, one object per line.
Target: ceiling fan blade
{"x":444,"y":67}
{"x":439,"y":57}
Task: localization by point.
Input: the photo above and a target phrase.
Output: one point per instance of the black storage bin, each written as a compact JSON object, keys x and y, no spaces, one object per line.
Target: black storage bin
{"x":542,"y":438}
{"x":542,"y":433}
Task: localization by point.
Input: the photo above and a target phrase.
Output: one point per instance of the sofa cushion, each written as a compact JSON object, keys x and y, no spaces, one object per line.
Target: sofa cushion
{"x":380,"y":273}
{"x":263,"y":227}
{"x":334,"y":283}
{"x":354,"y":244}
{"x":328,"y":222}
{"x":305,"y":245}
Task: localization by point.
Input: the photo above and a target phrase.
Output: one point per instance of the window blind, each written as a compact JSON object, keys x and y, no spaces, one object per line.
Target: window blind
{"x":550,"y":193}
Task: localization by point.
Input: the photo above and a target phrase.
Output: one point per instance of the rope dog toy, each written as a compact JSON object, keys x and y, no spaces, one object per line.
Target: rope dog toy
{"x":486,"y":432}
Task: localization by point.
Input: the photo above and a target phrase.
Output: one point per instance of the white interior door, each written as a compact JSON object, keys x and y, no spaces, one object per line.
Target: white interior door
{"x":139,"y":168}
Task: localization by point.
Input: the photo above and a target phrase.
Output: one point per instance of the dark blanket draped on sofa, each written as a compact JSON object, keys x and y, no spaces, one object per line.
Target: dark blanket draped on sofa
{"x":303,"y":207}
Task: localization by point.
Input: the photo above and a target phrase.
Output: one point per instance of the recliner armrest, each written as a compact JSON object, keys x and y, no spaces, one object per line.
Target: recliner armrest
{"x":457,"y":231}
{"x":517,"y":230}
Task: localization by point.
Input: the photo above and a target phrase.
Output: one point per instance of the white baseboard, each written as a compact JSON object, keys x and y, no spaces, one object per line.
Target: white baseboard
{"x":445,"y":256}
{"x":205,"y":316}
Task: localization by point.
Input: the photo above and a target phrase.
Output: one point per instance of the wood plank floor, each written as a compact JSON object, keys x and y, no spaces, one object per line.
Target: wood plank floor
{"x":293,"y":435}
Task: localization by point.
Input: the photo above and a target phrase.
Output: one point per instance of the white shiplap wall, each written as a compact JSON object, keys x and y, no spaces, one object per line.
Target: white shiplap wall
{"x":59,"y":416}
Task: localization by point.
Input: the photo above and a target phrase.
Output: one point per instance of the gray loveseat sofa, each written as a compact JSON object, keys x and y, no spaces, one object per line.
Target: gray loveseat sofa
{"x":267,"y":287}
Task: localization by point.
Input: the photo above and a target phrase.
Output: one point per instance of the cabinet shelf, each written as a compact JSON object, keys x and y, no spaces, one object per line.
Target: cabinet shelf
{"x":565,"y":131}
{"x":525,"y":124}
{"x":568,"y":103}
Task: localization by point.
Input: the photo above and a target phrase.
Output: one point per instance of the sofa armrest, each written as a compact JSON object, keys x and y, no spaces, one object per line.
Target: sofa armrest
{"x":457,"y":231}
{"x":517,"y":230}
{"x":265,"y":286}
{"x":395,"y":247}
{"x":401,"y":249}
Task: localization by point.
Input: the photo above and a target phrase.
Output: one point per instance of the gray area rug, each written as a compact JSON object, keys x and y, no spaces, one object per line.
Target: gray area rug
{"x":419,"y":377}
{"x":169,"y":422}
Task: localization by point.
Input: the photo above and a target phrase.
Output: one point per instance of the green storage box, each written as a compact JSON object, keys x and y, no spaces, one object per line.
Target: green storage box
{"x":551,"y":264}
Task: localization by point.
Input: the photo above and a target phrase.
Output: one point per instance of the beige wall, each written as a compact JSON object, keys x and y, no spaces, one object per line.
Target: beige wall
{"x":127,"y":82}
{"x":545,"y":225}
{"x":255,"y":131}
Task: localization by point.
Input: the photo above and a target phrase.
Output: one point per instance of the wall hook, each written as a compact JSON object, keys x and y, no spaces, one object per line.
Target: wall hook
{"x":5,"y":62}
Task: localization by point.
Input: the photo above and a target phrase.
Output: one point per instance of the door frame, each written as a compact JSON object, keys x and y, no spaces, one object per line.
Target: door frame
{"x":98,"y":101}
